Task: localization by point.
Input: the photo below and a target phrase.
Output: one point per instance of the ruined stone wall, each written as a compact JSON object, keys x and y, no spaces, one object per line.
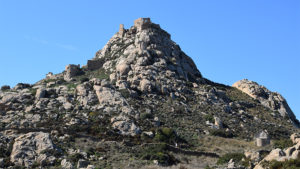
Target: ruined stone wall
{"x":95,"y":64}
{"x":71,"y":71}
{"x":142,"y":23}
{"x":121,"y":30}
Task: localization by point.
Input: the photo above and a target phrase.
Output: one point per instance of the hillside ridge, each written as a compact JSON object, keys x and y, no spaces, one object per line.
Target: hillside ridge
{"x":139,"y":102}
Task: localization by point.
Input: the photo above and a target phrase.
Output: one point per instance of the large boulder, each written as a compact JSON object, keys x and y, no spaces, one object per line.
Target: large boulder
{"x":123,"y":68}
{"x":108,"y":96}
{"x":295,"y":137}
{"x":30,"y":148}
{"x":10,"y":97}
{"x":40,"y":93}
{"x":276,"y":154}
{"x":66,"y":164}
{"x":125,"y":125}
{"x":81,"y":90}
{"x":145,"y":85}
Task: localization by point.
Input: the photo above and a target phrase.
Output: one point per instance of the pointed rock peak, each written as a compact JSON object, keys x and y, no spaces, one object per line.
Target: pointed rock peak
{"x":144,"y":57}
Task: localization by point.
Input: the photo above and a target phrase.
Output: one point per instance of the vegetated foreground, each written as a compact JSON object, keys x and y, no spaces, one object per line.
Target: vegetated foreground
{"x":142,"y":103}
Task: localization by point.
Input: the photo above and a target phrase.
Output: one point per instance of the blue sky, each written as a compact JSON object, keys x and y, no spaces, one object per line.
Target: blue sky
{"x":229,"y":40}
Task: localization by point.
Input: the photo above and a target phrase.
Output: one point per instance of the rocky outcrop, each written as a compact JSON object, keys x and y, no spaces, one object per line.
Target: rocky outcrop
{"x":111,"y":98}
{"x":108,"y":96}
{"x":125,"y":125}
{"x":40,"y":93}
{"x":66,"y":164}
{"x":146,"y":53}
{"x":85,"y":95}
{"x":269,"y":99}
{"x":32,"y":147}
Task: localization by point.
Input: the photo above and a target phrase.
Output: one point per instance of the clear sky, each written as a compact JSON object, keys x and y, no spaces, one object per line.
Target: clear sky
{"x":229,"y":40}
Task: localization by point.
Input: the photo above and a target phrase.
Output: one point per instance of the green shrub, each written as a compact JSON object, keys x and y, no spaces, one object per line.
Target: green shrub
{"x":54,"y":152}
{"x":71,"y":86}
{"x":235,"y":94}
{"x":208,"y":167}
{"x":7,"y":162}
{"x":125,"y":93}
{"x":283,"y":143}
{"x":3,"y":107}
{"x":84,"y":79}
{"x":75,"y":157}
{"x":158,"y":152}
{"x":221,"y":133}
{"x":35,"y":164}
{"x":90,"y":151}
{"x":168,"y":132}
{"x":209,"y":118}
{"x":146,"y":116}
{"x":49,"y":80}
{"x":94,"y":114}
{"x":236,"y":157}
{"x":166,"y":135}
{"x":32,"y":91}
{"x":101,"y":74}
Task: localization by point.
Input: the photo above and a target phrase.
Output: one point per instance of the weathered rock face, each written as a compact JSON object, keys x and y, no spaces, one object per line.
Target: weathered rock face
{"x":113,"y":100}
{"x":30,"y":148}
{"x":269,"y":99}
{"x":40,"y":93}
{"x":146,"y":53}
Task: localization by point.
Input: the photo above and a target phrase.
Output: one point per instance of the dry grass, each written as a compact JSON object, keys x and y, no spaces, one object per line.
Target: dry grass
{"x":222,"y":145}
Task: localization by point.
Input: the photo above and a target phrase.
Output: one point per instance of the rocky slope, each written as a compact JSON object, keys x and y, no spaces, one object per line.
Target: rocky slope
{"x":272,"y":100}
{"x":140,"y":102}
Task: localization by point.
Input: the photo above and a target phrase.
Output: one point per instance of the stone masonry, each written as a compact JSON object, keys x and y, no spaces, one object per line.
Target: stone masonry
{"x":142,"y":23}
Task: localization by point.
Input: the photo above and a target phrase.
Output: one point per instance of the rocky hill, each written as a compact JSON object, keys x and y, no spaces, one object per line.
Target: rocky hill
{"x":140,"y":102}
